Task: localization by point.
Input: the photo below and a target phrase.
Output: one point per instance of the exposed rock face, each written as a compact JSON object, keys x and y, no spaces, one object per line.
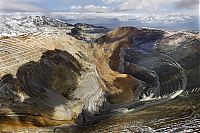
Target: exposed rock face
{"x":56,"y":70}
{"x":126,"y":69}
{"x":158,"y":58}
{"x":113,"y":46}
{"x":43,"y":84}
{"x":52,"y":90}
{"x":57,"y":85}
{"x":88,"y":32}
{"x":187,"y":54}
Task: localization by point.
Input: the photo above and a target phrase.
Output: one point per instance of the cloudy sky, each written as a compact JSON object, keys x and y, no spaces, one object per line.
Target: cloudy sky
{"x":104,"y":6}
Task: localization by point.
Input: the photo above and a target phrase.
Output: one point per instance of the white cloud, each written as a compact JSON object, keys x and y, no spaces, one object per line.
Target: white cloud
{"x":93,"y":8}
{"x":90,"y":8}
{"x":19,"y":5}
{"x":140,"y":4}
{"x":76,"y":7}
{"x":112,"y":1}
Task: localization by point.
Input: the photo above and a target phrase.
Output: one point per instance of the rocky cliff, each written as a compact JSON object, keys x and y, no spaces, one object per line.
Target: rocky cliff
{"x":47,"y":87}
{"x":145,"y":54}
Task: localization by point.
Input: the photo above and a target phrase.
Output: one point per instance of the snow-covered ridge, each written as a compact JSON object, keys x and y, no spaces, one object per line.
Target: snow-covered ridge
{"x":13,"y":26}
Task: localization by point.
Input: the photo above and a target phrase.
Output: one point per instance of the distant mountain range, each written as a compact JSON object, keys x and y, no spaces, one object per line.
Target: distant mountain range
{"x":13,"y":26}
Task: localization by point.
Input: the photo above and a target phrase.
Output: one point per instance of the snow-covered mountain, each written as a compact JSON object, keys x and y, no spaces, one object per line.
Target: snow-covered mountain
{"x":13,"y":26}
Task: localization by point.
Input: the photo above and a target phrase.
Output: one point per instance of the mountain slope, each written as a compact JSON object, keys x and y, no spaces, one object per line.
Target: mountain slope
{"x":54,"y":79}
{"x":13,"y":26}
